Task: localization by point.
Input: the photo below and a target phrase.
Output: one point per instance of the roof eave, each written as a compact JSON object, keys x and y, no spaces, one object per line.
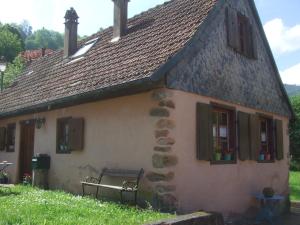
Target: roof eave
{"x":125,"y":89}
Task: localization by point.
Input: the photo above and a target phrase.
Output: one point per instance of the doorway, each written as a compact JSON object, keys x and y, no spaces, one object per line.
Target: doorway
{"x":26,"y":148}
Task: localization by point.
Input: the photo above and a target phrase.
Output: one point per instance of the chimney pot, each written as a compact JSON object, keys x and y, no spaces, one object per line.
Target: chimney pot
{"x":43,"y":51}
{"x":120,"y":18}
{"x":71,"y":24}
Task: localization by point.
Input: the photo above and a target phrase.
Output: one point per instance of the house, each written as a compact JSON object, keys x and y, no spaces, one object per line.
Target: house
{"x":30,"y":55}
{"x":189,"y":91}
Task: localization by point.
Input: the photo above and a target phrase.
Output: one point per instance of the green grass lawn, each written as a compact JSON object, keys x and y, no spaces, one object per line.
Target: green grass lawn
{"x":26,"y":205}
{"x":295,"y":186}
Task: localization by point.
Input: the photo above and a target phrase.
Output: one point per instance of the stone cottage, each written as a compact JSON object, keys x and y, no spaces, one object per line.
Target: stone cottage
{"x":189,"y":91}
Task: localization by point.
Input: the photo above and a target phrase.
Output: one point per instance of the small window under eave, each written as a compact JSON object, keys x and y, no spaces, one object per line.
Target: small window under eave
{"x":85,"y":48}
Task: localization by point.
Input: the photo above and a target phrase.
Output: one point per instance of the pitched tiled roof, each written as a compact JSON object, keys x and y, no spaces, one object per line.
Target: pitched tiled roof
{"x":153,"y":38}
{"x":30,"y":55}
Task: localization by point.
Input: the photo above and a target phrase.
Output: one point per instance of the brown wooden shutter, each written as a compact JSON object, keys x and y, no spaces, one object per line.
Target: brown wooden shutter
{"x":254,"y":137}
{"x":76,"y":137}
{"x":279,"y":140}
{"x":232,"y":28}
{"x":2,"y":138}
{"x":248,"y":39}
{"x":244,"y":136}
{"x":204,"y":132}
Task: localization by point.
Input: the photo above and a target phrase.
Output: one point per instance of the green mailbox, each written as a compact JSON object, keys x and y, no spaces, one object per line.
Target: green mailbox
{"x":41,"y":162}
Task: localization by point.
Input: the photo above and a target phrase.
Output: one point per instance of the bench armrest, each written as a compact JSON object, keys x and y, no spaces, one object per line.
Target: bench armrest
{"x":129,"y":185}
{"x":92,"y":180}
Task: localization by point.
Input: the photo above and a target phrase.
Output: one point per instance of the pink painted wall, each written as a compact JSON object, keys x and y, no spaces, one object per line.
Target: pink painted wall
{"x":119,"y":133}
{"x":224,"y":188}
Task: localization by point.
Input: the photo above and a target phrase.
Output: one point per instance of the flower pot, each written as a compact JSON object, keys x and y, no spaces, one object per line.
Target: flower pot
{"x":218,"y":156}
{"x":268,"y":157}
{"x":261,"y":157}
{"x":227,"y":157}
{"x":4,"y":180}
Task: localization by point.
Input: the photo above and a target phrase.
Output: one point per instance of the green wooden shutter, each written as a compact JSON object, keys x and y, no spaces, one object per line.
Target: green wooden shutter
{"x":232,"y":28}
{"x":244,"y":135}
{"x":76,"y":137}
{"x":2,"y":138}
{"x":204,"y":132}
{"x":279,"y":140}
{"x":254,"y":137}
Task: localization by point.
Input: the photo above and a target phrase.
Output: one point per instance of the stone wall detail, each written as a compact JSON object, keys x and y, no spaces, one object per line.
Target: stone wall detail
{"x":163,"y":160}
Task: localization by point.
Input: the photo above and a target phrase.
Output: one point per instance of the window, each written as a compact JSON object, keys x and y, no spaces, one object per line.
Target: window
{"x":216,"y":133}
{"x":11,"y":136}
{"x":69,"y":134}
{"x":240,"y":34}
{"x":223,"y":134}
{"x":85,"y":48}
{"x":266,"y":151}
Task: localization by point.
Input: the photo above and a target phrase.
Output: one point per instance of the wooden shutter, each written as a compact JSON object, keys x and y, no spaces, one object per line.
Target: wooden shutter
{"x":244,"y":135}
{"x":76,"y":127}
{"x":204,"y":132}
{"x":279,"y":140}
{"x":254,"y":137}
{"x":2,"y":138}
{"x":248,"y":39}
{"x":232,"y":28}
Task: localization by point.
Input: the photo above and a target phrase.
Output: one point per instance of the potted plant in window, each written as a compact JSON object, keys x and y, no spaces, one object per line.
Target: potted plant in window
{"x":3,"y":178}
{"x":267,"y":155}
{"x":218,"y":153}
{"x":261,"y":156}
{"x":228,"y":154}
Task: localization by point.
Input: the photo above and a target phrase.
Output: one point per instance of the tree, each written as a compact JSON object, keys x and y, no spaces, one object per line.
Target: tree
{"x":10,"y":43}
{"x":295,"y":128}
{"x":44,"y":38}
{"x":13,"y":70}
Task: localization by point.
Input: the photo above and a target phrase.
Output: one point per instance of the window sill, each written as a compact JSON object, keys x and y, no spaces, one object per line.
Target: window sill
{"x":222,"y":162}
{"x":266,"y":161}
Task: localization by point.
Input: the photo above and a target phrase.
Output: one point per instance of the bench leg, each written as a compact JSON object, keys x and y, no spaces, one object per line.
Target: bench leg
{"x":82,"y":190}
{"x":121,"y":194}
{"x":97,"y":192}
{"x":135,"y":197}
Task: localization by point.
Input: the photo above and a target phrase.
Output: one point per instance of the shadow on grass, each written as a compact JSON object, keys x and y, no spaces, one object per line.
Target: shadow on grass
{"x":5,"y":193}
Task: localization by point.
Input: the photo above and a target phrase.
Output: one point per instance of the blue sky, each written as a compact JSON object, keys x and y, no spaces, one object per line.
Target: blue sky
{"x":281,"y":20}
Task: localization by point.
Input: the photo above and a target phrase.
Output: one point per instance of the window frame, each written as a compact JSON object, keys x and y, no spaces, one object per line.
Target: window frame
{"x":231,"y":133}
{"x":11,"y":138}
{"x":270,"y":138}
{"x":59,"y":123}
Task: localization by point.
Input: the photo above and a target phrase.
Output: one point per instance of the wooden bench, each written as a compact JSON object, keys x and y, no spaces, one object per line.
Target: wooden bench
{"x":130,"y":181}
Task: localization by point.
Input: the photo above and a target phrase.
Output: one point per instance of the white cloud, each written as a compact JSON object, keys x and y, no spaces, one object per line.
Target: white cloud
{"x":291,"y":75}
{"x":283,"y":39}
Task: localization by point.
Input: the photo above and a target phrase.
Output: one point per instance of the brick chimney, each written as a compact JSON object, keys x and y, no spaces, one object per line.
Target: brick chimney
{"x":43,"y":51}
{"x":120,"y":18}
{"x":71,"y":24}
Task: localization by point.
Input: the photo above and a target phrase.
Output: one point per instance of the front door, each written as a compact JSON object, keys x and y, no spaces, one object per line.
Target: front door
{"x":26,"y":148}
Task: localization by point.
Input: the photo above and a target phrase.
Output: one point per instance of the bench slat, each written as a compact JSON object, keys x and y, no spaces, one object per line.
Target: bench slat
{"x":121,"y":173}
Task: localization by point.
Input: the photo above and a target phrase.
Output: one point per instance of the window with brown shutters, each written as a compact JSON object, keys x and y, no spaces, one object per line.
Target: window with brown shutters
{"x":266,"y":131}
{"x":2,"y":138}
{"x":216,"y":133}
{"x":11,"y":137}
{"x":240,"y":34}
{"x":70,"y":134}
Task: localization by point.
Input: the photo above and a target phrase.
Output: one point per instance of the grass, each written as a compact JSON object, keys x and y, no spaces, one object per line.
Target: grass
{"x":30,"y":206}
{"x":295,"y":185}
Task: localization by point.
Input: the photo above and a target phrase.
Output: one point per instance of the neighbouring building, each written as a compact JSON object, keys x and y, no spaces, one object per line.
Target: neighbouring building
{"x":188,"y":90}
